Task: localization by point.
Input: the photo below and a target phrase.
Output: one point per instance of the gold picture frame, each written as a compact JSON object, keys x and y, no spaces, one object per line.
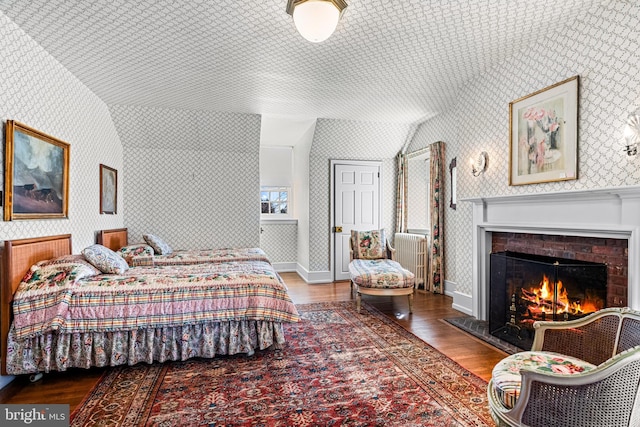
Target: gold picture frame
{"x":108,"y":190}
{"x":543,"y":135}
{"x":36,"y":174}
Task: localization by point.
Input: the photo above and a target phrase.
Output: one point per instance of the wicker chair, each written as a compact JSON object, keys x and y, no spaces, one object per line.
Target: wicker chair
{"x":373,"y":269}
{"x":608,"y":394}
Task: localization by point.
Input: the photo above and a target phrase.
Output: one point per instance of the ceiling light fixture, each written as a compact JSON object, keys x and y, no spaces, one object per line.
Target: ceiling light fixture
{"x":316,"y":20}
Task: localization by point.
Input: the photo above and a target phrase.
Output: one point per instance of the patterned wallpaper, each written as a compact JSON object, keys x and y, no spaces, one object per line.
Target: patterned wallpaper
{"x":600,"y":47}
{"x":348,"y":140}
{"x":279,"y":241}
{"x":37,"y":91}
{"x":192,"y":176}
{"x":388,"y":61}
{"x":178,"y":157}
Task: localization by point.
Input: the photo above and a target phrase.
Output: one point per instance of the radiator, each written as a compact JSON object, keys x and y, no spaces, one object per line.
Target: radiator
{"x":411,"y":253}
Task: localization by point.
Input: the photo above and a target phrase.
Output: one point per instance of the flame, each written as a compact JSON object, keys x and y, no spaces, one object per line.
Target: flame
{"x":542,"y":298}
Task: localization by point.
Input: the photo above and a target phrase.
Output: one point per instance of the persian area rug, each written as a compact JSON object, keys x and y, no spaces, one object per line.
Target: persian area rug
{"x":338,"y":367}
{"x":480,"y":330}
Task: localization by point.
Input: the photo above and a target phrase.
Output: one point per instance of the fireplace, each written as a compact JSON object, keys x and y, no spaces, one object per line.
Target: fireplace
{"x":601,"y":213}
{"x":524,"y":288}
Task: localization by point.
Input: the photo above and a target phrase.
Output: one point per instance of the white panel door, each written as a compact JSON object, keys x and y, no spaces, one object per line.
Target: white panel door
{"x":356,"y":207}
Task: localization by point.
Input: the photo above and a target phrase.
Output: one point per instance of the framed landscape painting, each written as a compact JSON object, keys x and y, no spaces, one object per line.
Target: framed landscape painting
{"x":544,"y":135}
{"x":36,"y":174}
{"x":108,"y":190}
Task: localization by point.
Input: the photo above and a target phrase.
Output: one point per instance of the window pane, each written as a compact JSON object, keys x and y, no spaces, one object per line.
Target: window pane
{"x":274,"y":196}
{"x":283,"y":208}
{"x":265,"y":207}
{"x":274,"y":207}
{"x":283,"y":196}
{"x":264,"y":196}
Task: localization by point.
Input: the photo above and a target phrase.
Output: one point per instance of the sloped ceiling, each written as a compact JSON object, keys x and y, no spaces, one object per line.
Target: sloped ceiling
{"x":388,"y":61}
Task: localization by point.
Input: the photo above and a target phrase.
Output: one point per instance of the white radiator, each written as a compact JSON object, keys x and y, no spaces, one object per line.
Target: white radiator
{"x":411,"y":253}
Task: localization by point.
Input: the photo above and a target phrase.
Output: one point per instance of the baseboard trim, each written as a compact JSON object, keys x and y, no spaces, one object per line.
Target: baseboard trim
{"x":314,"y":276}
{"x":462,"y":302}
{"x":284,"y":267}
{"x":450,"y":288}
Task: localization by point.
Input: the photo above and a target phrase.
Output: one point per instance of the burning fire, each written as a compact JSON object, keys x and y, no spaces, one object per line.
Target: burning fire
{"x":540,"y":301}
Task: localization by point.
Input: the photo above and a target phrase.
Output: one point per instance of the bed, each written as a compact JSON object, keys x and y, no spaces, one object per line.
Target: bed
{"x":146,"y":314}
{"x":117,"y":239}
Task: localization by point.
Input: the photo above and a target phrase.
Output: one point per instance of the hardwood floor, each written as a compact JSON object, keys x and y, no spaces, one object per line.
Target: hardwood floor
{"x":425,"y":322}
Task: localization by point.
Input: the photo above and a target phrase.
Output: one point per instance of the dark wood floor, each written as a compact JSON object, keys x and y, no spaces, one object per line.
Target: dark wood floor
{"x":426,"y":322}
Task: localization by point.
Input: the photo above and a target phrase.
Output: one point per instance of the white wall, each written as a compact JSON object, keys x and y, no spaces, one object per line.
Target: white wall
{"x":301,"y":152}
{"x":600,"y":47}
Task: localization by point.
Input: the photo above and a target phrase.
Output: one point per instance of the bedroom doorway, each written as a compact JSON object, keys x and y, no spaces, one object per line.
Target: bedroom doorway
{"x":356,"y":206}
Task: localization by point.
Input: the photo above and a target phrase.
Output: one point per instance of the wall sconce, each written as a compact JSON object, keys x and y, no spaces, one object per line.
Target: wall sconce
{"x":632,"y":133}
{"x":479,"y":165}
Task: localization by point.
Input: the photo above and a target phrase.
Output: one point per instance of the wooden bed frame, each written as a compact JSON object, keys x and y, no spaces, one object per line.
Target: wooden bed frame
{"x":17,"y":257}
{"x":113,"y":239}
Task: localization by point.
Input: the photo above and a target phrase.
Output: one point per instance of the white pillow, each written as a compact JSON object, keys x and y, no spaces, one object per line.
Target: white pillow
{"x":105,"y":260}
{"x":159,"y":246}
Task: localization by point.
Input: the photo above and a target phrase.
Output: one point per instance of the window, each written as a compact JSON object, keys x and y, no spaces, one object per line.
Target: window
{"x":274,"y":200}
{"x":418,"y":216}
{"x":276,"y":182}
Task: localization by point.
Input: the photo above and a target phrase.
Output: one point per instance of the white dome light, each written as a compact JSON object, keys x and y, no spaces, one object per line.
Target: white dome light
{"x":316,"y":20}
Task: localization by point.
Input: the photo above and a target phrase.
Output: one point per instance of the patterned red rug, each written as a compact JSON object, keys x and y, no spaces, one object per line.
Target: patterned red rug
{"x":337,"y":368}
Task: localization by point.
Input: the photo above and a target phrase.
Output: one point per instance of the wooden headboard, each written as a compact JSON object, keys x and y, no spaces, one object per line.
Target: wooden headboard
{"x":17,"y":257}
{"x":114,"y":239}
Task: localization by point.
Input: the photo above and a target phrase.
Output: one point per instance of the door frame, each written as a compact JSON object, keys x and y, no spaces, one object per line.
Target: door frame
{"x":332,"y":214}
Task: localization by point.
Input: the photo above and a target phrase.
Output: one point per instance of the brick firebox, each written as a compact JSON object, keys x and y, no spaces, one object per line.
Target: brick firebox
{"x":612,"y":252}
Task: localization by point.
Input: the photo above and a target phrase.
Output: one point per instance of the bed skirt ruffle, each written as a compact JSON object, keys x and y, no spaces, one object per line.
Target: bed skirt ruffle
{"x":59,"y":352}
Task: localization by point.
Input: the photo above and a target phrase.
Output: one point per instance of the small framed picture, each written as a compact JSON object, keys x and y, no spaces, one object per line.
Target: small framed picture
{"x":36,"y":174}
{"x":544,"y":135}
{"x":108,"y":190}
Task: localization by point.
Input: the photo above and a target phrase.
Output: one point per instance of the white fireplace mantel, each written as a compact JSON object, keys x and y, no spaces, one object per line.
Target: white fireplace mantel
{"x":605,"y":212}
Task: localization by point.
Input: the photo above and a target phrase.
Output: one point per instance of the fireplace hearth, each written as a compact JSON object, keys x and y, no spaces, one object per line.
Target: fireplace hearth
{"x":525,"y":288}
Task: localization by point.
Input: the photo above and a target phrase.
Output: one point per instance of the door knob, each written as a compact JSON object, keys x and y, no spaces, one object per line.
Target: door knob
{"x":337,"y":229}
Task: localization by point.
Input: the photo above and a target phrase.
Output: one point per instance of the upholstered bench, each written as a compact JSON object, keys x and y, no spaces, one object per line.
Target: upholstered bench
{"x":373,"y":269}
{"x":380,"y":277}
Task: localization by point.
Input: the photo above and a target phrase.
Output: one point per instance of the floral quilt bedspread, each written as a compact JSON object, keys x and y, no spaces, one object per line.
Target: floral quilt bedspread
{"x":145,"y":297}
{"x":185,"y":257}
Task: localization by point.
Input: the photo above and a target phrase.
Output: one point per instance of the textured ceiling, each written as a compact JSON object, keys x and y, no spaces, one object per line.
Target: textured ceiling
{"x":388,"y":61}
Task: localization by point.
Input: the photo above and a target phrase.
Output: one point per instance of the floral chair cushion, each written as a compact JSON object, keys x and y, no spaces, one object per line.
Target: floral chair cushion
{"x":506,"y":374}
{"x":380,"y":273}
{"x":105,"y":260}
{"x":368,"y":244}
{"x":159,"y":246}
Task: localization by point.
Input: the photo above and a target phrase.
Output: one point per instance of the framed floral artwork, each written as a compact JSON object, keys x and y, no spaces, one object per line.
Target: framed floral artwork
{"x":108,"y":190}
{"x":36,"y":174}
{"x":543,"y":135}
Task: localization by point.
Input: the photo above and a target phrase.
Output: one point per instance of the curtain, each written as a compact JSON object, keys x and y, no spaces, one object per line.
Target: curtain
{"x":401,"y":194}
{"x":436,"y":198}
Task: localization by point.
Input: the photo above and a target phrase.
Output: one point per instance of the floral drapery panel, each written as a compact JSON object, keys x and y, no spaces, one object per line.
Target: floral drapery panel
{"x":436,"y":198}
{"x":401,"y":194}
